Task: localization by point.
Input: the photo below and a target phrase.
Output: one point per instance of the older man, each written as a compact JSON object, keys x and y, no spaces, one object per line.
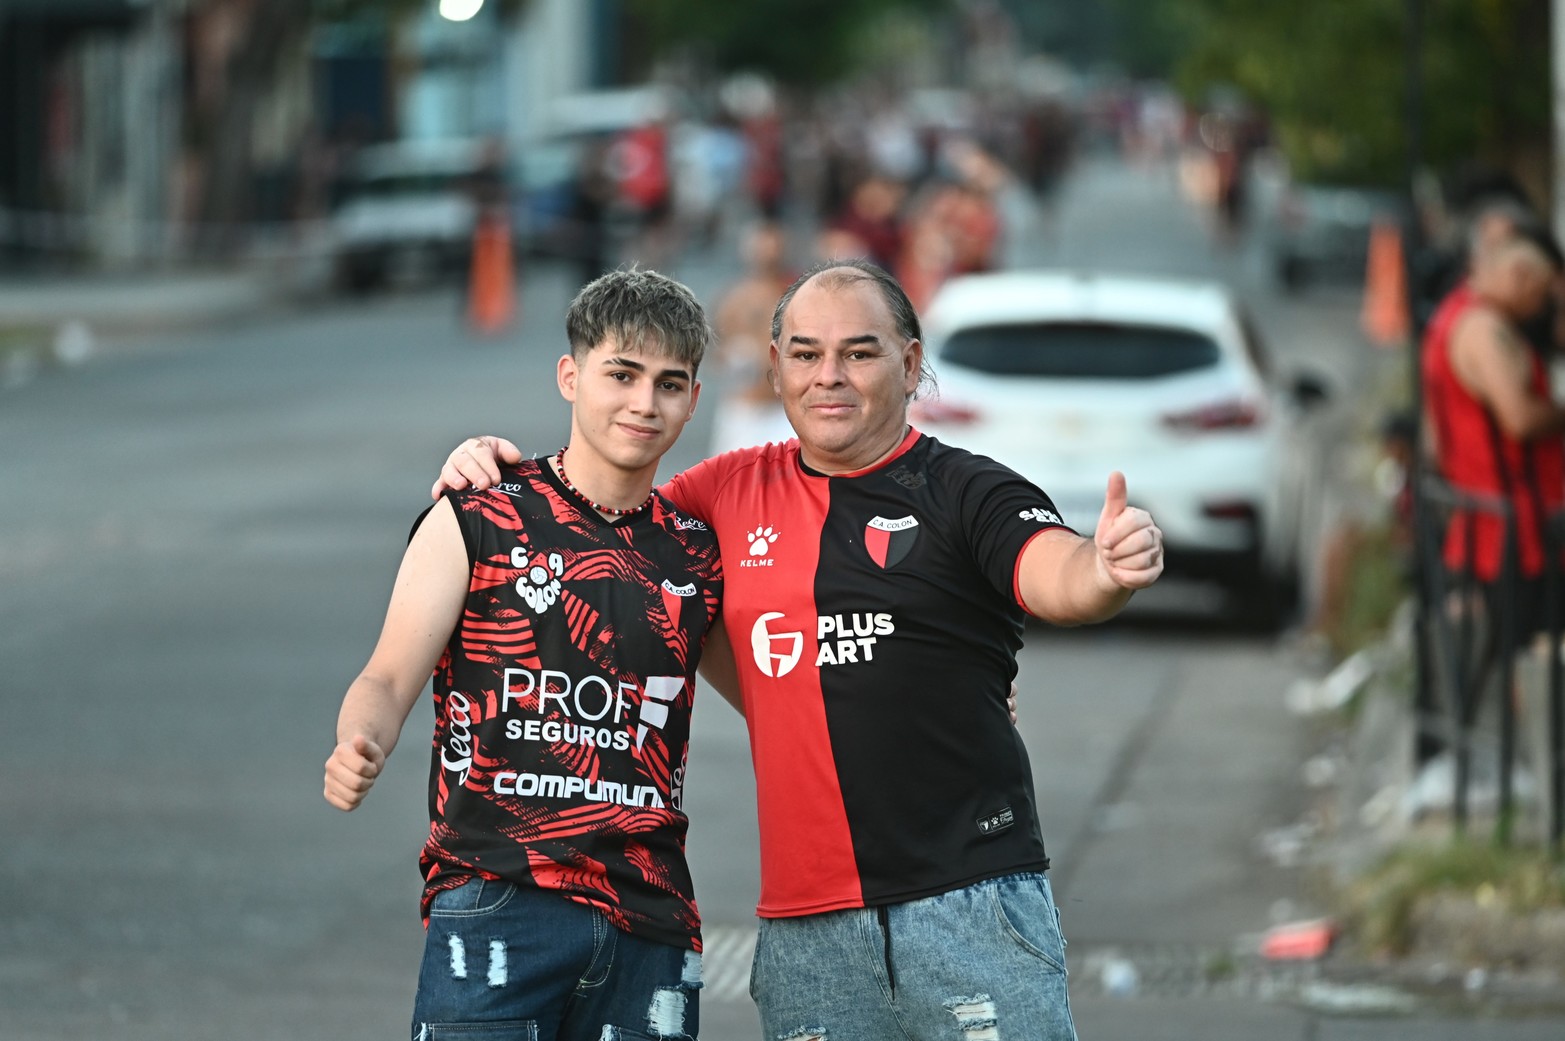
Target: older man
{"x":877,"y":584}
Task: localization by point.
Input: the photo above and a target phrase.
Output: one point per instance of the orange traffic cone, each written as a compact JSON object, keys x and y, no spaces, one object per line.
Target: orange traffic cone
{"x":1385,"y":317}
{"x":491,"y":303}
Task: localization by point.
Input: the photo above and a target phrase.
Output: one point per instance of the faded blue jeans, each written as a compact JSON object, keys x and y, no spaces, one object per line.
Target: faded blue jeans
{"x":504,"y":962}
{"x":984,"y":963}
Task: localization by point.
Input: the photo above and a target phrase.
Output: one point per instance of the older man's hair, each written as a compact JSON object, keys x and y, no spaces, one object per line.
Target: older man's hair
{"x":639,"y":310}
{"x":841,"y":273}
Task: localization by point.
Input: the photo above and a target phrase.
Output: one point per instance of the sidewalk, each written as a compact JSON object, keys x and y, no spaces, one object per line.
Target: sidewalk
{"x":125,"y":303}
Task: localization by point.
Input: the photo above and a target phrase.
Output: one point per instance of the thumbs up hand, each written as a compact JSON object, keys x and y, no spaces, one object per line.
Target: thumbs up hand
{"x":1129,"y":544}
{"x":351,"y":770}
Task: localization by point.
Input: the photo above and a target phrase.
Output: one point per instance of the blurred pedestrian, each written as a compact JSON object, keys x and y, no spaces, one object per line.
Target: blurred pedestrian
{"x":1453,"y":239}
{"x":1494,"y":426}
{"x":873,"y":216}
{"x":641,"y":163}
{"x":877,"y":582}
{"x":765,"y":173}
{"x":750,"y":412}
{"x":586,"y":234}
{"x":562,"y":618}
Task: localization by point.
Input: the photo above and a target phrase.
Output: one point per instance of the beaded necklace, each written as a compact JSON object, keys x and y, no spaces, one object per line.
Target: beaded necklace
{"x":559,"y":464}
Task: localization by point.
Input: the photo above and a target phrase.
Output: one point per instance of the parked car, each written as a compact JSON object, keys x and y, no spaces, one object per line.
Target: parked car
{"x":1066,"y":377}
{"x":406,"y":211}
{"x":1321,"y":232}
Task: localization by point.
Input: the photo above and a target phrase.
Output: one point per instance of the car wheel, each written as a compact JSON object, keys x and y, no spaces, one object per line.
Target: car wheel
{"x":1292,"y":272}
{"x":1268,"y":601}
{"x":359,"y":276}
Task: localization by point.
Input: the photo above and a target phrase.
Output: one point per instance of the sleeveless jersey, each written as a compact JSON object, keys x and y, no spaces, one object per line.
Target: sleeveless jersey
{"x":875,"y":622}
{"x":562,"y":703}
{"x":1475,"y":455}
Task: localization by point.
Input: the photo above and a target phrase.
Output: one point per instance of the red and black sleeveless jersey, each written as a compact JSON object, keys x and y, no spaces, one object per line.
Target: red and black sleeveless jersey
{"x":562,"y":703}
{"x":875,"y":623}
{"x":1476,"y":455}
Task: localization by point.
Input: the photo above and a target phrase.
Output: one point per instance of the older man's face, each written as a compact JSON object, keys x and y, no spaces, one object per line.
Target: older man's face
{"x":845,"y":374}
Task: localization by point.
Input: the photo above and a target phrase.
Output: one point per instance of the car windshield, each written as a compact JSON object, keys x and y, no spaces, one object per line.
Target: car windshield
{"x":1080,"y":350}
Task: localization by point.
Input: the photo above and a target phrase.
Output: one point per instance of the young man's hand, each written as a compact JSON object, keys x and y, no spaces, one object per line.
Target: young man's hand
{"x":475,"y":463}
{"x":351,"y":771}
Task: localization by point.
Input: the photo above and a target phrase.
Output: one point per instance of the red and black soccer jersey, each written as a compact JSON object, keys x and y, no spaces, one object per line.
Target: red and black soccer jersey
{"x":875,"y":623}
{"x":562,"y":704}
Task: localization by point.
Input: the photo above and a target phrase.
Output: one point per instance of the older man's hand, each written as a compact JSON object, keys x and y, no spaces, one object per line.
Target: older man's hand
{"x":475,"y":463}
{"x":1129,"y":544}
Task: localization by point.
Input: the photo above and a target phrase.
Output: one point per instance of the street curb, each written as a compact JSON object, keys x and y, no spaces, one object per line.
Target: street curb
{"x":1336,"y":984}
{"x":131,"y":307}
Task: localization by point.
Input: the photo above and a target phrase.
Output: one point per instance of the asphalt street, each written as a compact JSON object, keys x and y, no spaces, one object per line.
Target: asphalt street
{"x":198,"y":532}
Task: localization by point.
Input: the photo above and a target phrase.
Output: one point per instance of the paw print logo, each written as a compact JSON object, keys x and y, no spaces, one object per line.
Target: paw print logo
{"x":540,"y":581}
{"x":761,"y":540}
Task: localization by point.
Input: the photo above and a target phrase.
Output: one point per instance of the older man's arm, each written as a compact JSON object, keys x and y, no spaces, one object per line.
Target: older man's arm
{"x":1066,"y":579}
{"x":475,"y":463}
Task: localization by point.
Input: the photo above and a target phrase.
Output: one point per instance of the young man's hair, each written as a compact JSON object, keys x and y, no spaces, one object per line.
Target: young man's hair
{"x":843,"y":272}
{"x":639,"y":310}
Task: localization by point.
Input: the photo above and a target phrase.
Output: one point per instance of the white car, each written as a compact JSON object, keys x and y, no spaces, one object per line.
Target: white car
{"x":1068,"y":376}
{"x":407,"y":212}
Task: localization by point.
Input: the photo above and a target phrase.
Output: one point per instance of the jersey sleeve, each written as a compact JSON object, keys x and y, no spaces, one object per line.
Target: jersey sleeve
{"x":1000,"y":512}
{"x":695,"y":490}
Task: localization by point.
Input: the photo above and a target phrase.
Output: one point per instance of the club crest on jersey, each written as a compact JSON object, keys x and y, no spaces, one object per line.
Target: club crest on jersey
{"x":673,"y":597}
{"x":539,"y":583}
{"x":888,"y":541}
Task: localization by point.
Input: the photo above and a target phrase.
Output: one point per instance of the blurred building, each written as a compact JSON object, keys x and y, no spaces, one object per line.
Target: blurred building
{"x":117,"y":117}
{"x":89,"y":124}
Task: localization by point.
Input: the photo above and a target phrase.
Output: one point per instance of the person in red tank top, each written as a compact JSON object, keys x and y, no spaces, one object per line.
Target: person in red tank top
{"x":1495,"y":428}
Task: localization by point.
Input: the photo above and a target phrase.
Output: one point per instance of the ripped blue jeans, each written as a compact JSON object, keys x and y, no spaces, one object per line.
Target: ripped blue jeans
{"x":982,"y":963}
{"x":504,"y":962}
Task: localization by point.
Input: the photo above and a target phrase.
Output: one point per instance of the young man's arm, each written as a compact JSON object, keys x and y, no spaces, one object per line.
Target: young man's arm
{"x":426,"y":605}
{"x":1494,"y":364}
{"x":1069,"y":580}
{"x":717,"y":665}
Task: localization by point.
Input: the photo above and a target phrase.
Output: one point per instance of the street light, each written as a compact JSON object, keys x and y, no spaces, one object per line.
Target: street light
{"x":460,"y":10}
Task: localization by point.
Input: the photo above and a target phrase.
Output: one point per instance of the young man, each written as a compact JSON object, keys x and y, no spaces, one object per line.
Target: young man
{"x":877,"y":583}
{"x":566,"y":607}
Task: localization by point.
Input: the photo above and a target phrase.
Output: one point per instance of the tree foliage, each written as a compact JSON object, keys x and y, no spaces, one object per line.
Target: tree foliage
{"x":1333,"y":75}
{"x":799,"y":42}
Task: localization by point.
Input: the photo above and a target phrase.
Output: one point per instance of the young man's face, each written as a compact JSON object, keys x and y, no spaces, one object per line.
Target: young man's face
{"x":628,"y":405}
{"x":844,"y":374}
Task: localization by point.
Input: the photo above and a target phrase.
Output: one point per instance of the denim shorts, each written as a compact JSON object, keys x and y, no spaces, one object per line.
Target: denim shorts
{"x":984,"y":961}
{"x":504,"y":962}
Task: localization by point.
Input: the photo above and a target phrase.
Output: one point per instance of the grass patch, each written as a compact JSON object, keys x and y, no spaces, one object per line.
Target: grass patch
{"x":1380,"y":906}
{"x":22,"y":351}
{"x":21,"y":336}
{"x":1374,"y":584}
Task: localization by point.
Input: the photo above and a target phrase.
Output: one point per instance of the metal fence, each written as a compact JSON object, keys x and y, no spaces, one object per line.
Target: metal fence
{"x":1468,"y":641}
